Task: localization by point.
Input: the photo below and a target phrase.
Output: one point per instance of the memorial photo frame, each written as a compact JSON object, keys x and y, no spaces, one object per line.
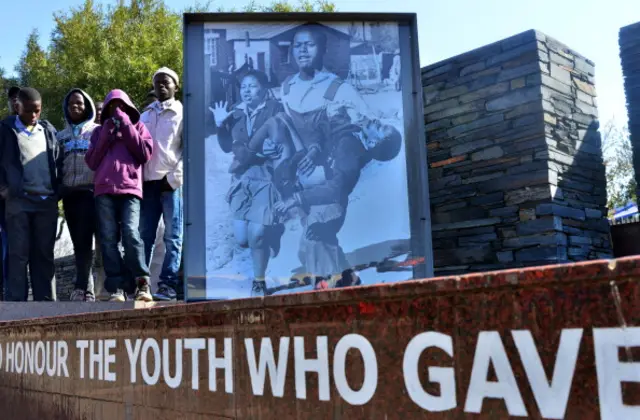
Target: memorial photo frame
{"x":296,"y":182}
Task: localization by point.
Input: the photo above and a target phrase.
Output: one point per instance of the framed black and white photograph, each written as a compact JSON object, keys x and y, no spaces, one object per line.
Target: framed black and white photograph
{"x":305,"y":154}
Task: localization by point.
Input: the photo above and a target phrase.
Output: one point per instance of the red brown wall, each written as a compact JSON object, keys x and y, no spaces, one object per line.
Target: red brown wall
{"x":544,"y":301}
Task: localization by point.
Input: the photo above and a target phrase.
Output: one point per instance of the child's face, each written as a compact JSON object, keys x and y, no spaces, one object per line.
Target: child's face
{"x":98,"y":112}
{"x":76,"y":108}
{"x":374,"y":132}
{"x":13,"y":104}
{"x":164,"y":87}
{"x":113,"y":105}
{"x":29,"y":111}
{"x":305,"y":50}
{"x":382,"y":141}
{"x":251,"y":91}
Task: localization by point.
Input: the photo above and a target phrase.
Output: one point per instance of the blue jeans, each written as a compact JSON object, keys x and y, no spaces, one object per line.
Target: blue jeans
{"x":157,"y":203}
{"x":119,"y":216}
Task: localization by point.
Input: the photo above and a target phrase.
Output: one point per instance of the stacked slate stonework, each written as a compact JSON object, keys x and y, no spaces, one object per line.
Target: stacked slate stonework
{"x":629,"y":39}
{"x":516,"y":174}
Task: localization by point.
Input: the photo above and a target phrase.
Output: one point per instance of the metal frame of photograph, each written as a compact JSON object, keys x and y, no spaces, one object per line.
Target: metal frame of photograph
{"x":195,"y":241}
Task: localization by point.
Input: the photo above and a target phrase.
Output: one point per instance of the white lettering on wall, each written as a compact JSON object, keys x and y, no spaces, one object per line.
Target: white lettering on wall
{"x":444,"y":376}
{"x":63,"y":354}
{"x":19,"y":357}
{"x":109,"y":360}
{"x":82,"y":345}
{"x":304,"y":365}
{"x":9,"y":358}
{"x":225,"y":363}
{"x":266,"y":363}
{"x":41,"y":358}
{"x":490,"y":349}
{"x":29,"y":355}
{"x":611,"y":372}
{"x":50,"y":351}
{"x":175,"y":380}
{"x":32,"y":357}
{"x":551,"y":399}
{"x":370,"y":383}
{"x":133,"y":353}
{"x":195,"y":345}
{"x":150,"y":345}
{"x":95,"y":360}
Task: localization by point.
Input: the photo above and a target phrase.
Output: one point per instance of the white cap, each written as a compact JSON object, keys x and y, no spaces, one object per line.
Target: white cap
{"x":168,"y":72}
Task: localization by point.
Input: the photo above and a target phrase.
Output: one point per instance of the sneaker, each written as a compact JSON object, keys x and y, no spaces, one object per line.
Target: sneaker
{"x":89,"y":297}
{"x":77,"y":295}
{"x":165,"y":294}
{"x":118,"y":296}
{"x":259,"y":288}
{"x":143,"y":291}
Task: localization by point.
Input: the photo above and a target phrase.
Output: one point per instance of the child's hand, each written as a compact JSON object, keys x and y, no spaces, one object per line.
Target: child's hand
{"x":121,"y":116}
{"x":116,"y":122}
{"x":308,"y":163}
{"x":220,"y":113}
{"x":282,"y":207}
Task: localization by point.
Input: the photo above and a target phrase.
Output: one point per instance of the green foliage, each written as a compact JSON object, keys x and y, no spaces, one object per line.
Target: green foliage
{"x":5,"y":84}
{"x":35,"y":69}
{"x":99,"y":48}
{"x":618,"y":160}
{"x":284,"y":7}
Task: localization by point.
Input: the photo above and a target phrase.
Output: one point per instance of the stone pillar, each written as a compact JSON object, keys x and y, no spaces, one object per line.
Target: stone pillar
{"x":516,"y":175}
{"x":629,"y":40}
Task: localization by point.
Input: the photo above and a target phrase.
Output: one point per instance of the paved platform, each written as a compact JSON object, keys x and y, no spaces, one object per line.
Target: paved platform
{"x":15,"y":311}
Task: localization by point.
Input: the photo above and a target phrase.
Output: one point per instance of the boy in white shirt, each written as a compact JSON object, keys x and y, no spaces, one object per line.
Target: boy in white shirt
{"x":162,"y":188}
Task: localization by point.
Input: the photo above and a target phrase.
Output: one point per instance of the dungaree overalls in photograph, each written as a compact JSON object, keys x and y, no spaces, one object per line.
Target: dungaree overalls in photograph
{"x":314,"y":127}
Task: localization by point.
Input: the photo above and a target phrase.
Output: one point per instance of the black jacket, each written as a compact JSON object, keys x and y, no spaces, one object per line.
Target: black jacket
{"x":11,"y":170}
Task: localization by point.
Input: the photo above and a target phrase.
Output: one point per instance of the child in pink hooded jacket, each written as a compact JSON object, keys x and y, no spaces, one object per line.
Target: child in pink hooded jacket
{"x":119,"y":149}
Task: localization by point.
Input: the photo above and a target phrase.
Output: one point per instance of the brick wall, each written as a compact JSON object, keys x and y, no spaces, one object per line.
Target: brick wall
{"x":629,"y":40}
{"x":515,"y":168}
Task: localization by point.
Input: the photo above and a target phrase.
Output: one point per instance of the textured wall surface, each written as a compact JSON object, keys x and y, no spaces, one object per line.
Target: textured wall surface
{"x":593,"y":306}
{"x":629,"y":40}
{"x":515,"y":168}
{"x":65,"y":276}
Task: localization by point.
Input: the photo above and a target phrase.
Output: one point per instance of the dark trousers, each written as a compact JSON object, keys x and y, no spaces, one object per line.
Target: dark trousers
{"x":119,"y":217}
{"x":32,"y":224}
{"x":3,"y":247}
{"x":80,"y":212}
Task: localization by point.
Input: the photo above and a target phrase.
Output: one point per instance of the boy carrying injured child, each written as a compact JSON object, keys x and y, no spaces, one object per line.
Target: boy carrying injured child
{"x":318,"y":176}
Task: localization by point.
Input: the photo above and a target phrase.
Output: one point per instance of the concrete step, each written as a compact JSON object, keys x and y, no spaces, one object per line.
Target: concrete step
{"x":15,"y":311}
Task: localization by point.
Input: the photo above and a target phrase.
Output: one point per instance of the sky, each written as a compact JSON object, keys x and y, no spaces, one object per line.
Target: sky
{"x":446,"y":28}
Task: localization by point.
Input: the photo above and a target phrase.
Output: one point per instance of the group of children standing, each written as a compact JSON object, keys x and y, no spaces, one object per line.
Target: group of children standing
{"x":117,"y":172}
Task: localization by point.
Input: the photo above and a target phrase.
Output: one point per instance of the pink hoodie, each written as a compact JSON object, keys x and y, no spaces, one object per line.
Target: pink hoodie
{"x":117,"y":155}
